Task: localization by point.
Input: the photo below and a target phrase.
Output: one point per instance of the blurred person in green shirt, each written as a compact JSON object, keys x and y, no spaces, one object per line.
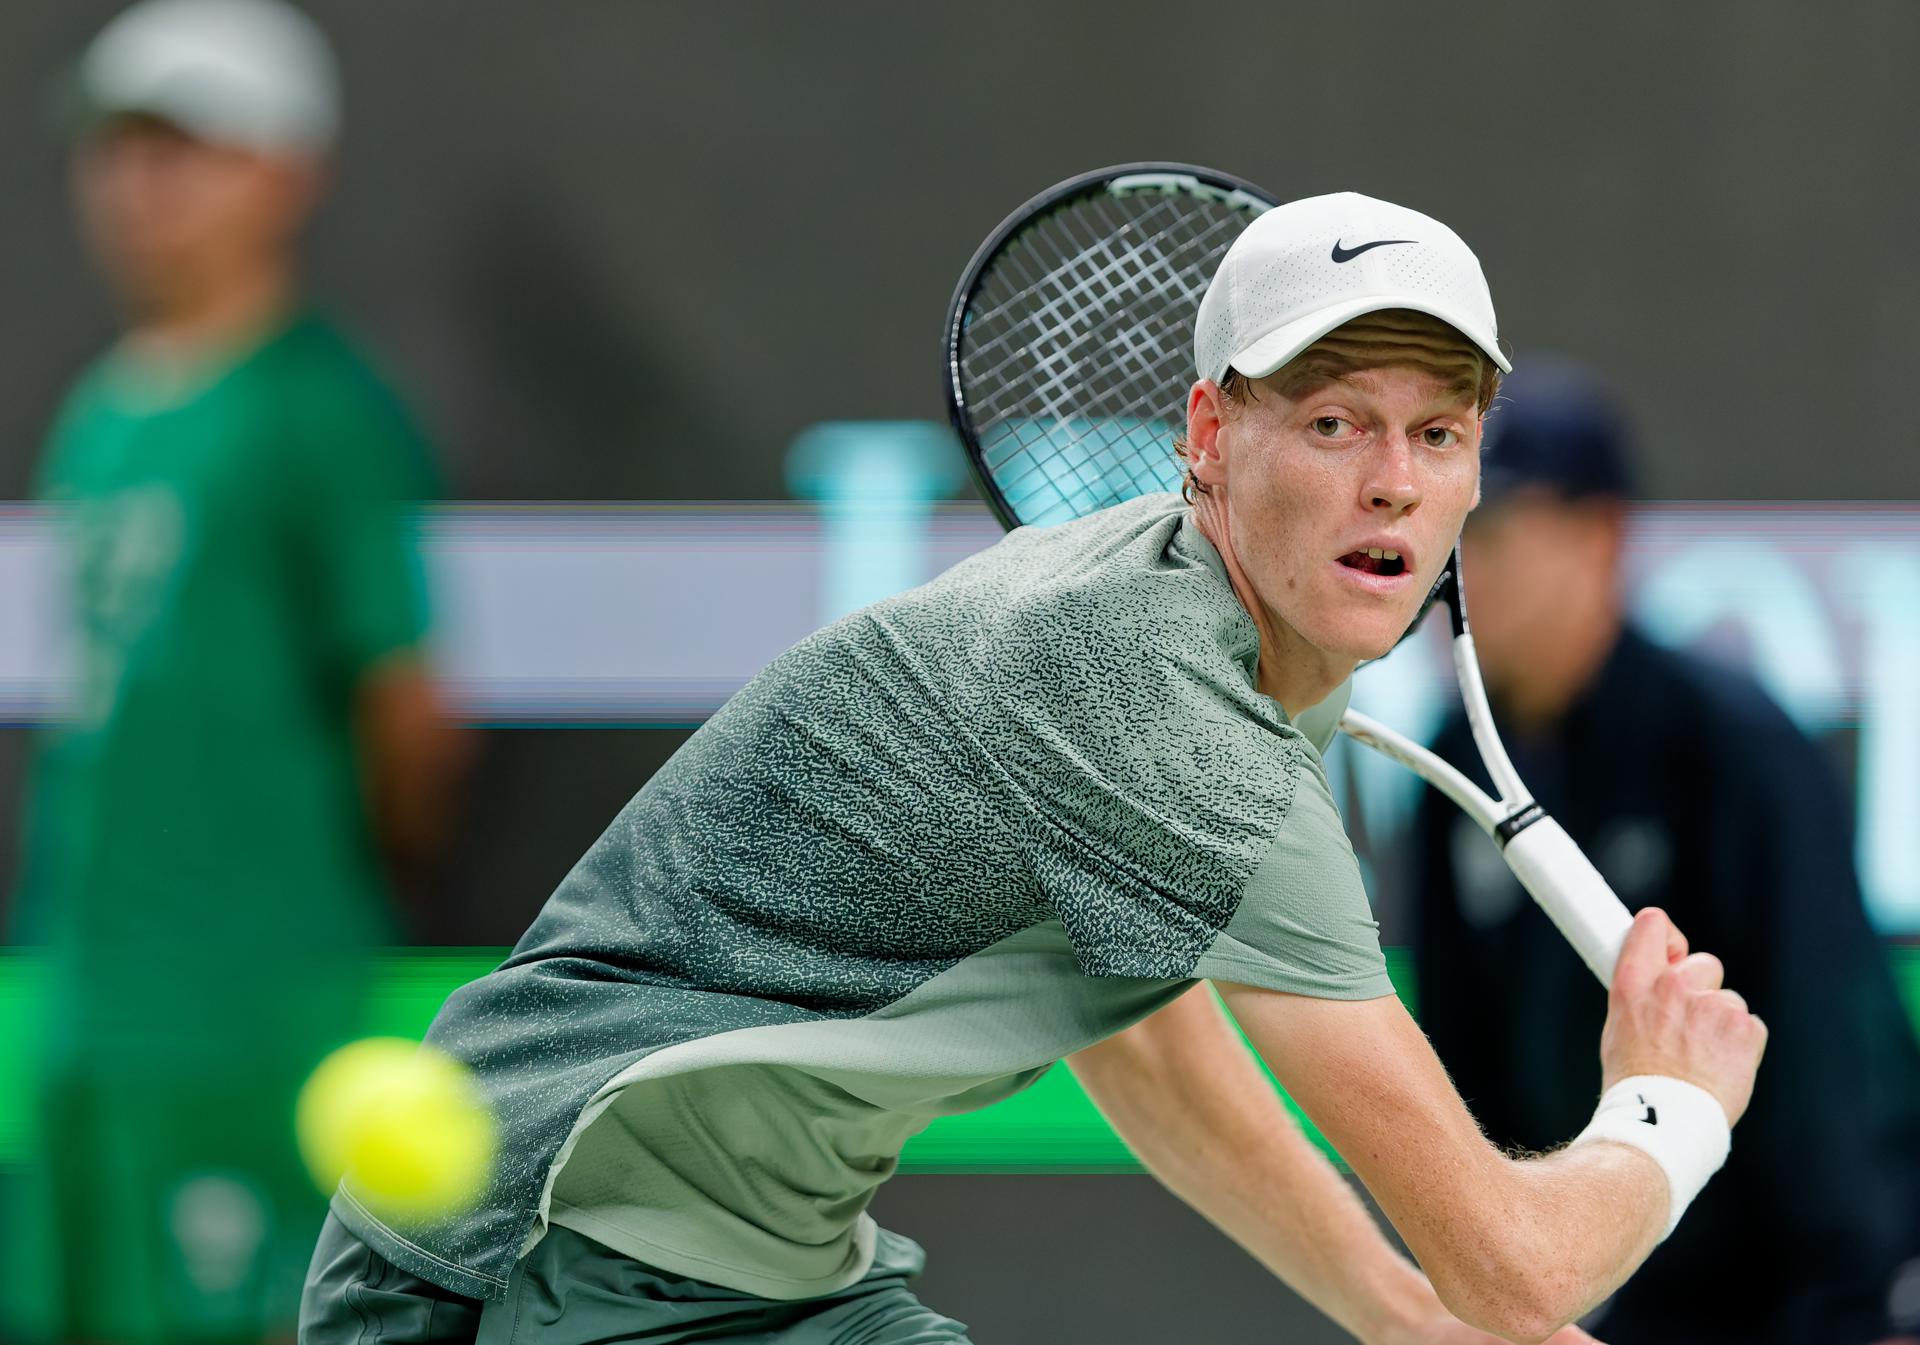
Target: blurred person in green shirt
{"x":253,"y":744}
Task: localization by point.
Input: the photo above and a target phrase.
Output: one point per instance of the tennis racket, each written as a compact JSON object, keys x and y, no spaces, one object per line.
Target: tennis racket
{"x":1068,"y":359}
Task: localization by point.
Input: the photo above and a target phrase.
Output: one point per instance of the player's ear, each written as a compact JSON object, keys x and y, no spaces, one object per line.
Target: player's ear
{"x":1479,"y":464}
{"x":1205,"y":407}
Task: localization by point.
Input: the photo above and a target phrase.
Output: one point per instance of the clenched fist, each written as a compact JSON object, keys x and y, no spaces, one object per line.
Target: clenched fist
{"x":1667,"y":1013}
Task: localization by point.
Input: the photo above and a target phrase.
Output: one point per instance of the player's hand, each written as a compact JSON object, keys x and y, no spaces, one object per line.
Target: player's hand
{"x":1667,"y":1014}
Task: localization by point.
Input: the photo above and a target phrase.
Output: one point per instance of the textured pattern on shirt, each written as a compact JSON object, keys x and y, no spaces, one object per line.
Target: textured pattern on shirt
{"x":1062,"y":728}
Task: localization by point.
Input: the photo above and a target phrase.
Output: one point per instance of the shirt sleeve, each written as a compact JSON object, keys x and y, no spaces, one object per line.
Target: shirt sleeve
{"x":1304,"y":924}
{"x":367,"y":474}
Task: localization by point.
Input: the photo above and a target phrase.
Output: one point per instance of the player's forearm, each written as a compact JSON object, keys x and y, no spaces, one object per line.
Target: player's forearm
{"x":1191,"y":1102}
{"x":1528,"y":1245}
{"x":413,"y":755}
{"x":1514,"y":1247}
{"x":1272,"y":1192}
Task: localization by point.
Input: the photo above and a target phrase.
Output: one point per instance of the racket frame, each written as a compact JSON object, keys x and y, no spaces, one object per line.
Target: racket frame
{"x":1150,"y":175}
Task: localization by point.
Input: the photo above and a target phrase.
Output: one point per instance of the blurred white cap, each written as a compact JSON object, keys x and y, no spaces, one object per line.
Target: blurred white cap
{"x":1303,"y":268}
{"x":255,"y":74}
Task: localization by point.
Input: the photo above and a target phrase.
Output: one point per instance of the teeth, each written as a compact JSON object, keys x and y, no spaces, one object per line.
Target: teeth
{"x":1376,"y":553}
{"x":1390,"y":555}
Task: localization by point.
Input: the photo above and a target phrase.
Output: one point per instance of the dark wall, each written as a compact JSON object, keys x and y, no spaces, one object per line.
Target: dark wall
{"x":1088,"y":1260}
{"x":628,"y":248}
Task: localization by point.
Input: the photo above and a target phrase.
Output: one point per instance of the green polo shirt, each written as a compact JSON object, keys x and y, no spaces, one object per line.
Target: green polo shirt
{"x":238,"y":550}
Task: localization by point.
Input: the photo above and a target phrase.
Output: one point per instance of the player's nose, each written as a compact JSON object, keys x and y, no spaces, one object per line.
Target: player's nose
{"x":1389,"y":482}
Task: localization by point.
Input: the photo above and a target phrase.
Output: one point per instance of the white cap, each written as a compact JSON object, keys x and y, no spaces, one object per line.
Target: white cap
{"x":256,"y":74}
{"x":1303,"y":268}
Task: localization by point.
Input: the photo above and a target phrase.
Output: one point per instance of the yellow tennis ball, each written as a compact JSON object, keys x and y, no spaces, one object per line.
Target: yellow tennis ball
{"x":404,"y":1125}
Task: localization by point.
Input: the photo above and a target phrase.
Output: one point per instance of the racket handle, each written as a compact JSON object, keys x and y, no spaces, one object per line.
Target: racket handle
{"x":1572,"y":893}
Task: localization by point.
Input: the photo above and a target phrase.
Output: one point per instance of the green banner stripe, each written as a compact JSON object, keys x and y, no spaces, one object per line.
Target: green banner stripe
{"x":1051,"y":1127}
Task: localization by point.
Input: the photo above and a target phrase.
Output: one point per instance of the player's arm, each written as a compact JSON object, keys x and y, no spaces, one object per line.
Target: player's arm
{"x":413,"y":755}
{"x":1517,"y":1247}
{"x":365,"y":473}
{"x":1182,"y":1090}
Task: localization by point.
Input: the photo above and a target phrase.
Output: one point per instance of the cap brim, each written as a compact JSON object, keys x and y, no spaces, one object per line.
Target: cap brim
{"x":1283,"y":343}
{"x":75,"y":112}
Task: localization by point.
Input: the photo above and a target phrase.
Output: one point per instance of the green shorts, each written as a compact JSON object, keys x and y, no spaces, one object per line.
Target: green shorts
{"x":571,"y":1290}
{"x":159,"y":1207}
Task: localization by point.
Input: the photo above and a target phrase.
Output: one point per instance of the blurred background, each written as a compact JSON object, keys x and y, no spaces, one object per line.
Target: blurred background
{"x":662,"y":285}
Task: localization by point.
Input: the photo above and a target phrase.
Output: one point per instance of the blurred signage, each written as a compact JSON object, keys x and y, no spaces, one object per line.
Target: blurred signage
{"x":1820,"y":604}
{"x":653,"y":614}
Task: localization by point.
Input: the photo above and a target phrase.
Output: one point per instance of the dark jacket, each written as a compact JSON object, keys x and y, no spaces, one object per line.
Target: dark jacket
{"x":1692,"y":791}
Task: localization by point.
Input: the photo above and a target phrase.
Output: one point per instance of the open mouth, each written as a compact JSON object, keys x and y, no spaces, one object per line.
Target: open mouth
{"x":1375,"y":560}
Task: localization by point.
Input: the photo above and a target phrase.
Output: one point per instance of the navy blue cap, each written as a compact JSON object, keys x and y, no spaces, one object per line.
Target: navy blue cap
{"x":1558,"y":427}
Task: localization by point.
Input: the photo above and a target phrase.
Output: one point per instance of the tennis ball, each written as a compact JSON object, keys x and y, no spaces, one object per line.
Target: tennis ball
{"x":404,"y":1125}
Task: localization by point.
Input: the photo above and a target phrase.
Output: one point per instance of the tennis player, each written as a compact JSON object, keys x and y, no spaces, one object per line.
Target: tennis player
{"x":1018,"y":815}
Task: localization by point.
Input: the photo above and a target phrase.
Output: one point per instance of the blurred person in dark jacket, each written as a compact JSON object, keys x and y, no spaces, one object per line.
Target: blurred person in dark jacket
{"x":1691,"y":791}
{"x":254,"y":745}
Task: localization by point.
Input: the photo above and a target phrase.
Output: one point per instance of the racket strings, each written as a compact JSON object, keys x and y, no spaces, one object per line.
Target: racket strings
{"x":1074,"y":358}
{"x":1100,"y":285}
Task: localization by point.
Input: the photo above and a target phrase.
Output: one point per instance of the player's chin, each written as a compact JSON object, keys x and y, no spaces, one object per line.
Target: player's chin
{"x":1366,"y":634}
{"x":1367,"y":626}
{"x":1373,"y":646}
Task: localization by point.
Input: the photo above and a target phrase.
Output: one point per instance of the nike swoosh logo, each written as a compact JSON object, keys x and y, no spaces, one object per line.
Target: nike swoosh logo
{"x":1652,"y":1117}
{"x":1341,"y":254}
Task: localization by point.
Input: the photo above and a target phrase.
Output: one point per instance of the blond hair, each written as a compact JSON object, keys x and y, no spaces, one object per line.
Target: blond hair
{"x":1391,"y":337}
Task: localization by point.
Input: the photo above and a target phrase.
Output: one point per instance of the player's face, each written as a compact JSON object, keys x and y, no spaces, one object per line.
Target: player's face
{"x":166,"y":213}
{"x":1343,"y":503}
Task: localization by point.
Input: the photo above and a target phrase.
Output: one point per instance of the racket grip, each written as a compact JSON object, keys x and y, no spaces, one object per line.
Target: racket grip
{"x":1572,"y":893}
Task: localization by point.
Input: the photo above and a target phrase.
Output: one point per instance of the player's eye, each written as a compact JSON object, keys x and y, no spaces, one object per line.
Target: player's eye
{"x":1328,"y":427}
{"x":1439,"y":436}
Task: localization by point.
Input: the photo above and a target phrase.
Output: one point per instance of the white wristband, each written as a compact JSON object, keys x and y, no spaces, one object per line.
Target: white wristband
{"x":1681,"y":1126}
